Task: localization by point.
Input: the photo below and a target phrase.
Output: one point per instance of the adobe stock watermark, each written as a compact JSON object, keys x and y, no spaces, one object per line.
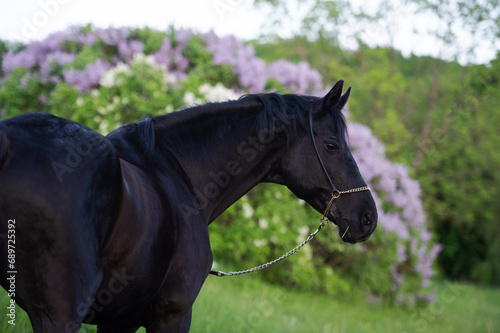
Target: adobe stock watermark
{"x":11,"y":271}
{"x":420,"y":320}
{"x":265,"y":309}
{"x":224,"y":7}
{"x":32,"y":24}
{"x":91,"y":306}
{"x":74,"y":156}
{"x":429,"y":146}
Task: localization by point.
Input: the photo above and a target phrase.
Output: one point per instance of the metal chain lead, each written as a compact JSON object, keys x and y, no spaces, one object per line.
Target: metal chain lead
{"x":324,"y":221}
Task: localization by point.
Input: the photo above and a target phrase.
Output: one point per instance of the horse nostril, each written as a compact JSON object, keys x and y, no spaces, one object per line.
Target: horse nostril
{"x":367,"y":219}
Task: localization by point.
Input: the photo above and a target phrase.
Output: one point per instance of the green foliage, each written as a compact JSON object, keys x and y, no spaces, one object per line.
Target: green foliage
{"x":89,"y":54}
{"x":127,"y":93}
{"x":19,"y":92}
{"x":5,"y":47}
{"x":202,"y":68}
{"x":152,"y":39}
{"x":459,"y":173}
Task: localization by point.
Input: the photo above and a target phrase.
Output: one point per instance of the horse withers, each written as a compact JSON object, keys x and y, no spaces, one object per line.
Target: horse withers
{"x":113,"y":230}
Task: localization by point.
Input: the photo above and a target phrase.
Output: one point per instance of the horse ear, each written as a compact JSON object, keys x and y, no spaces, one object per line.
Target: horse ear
{"x":333,"y":97}
{"x":343,"y":100}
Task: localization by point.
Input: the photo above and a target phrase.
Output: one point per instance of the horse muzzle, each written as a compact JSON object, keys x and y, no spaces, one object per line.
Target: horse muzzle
{"x":357,"y":230}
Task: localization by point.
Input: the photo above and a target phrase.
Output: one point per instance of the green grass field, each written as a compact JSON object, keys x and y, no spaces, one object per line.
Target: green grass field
{"x":244,"y":304}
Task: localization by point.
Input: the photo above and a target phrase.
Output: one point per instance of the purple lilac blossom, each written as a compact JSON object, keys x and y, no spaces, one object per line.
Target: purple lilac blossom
{"x":112,"y":36}
{"x":24,"y":80}
{"x":42,"y":99}
{"x":172,"y":57}
{"x":27,"y":58}
{"x":127,"y":48}
{"x":54,"y":41}
{"x":36,"y":53}
{"x":162,"y":55}
{"x":182,"y":36}
{"x":54,"y":59}
{"x":178,"y":62}
{"x":88,"y":77}
{"x":86,"y":39}
{"x":251,"y":71}
{"x":299,"y":78}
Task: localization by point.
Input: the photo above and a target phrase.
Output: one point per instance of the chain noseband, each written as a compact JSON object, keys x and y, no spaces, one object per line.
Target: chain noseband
{"x":324,"y":219}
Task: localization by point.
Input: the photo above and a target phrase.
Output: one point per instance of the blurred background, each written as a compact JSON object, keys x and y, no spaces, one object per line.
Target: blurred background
{"x":423,"y":124}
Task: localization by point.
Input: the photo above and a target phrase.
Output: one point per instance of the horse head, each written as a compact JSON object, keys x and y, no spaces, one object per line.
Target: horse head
{"x":318,"y":165}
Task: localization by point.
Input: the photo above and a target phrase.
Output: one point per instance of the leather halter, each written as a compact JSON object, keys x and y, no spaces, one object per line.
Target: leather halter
{"x":335,"y":192}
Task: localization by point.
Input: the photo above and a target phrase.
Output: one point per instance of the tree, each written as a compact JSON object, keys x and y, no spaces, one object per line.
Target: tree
{"x":465,"y":24}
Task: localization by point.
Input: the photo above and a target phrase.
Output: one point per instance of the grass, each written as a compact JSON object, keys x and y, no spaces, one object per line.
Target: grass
{"x":244,"y":304}
{"x":251,"y":306}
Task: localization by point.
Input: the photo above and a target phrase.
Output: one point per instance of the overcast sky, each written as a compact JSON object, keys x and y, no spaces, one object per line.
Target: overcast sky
{"x":27,"y":20}
{"x":34,"y":19}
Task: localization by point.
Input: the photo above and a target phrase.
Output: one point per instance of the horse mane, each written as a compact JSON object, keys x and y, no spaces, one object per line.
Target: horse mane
{"x":289,"y":111}
{"x":280,"y":114}
{"x":146,"y":135}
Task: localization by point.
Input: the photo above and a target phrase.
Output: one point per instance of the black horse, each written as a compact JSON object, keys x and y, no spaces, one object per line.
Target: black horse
{"x":113,"y":230}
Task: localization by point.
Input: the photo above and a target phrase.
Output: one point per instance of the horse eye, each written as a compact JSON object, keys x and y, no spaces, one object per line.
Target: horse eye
{"x":332,"y":146}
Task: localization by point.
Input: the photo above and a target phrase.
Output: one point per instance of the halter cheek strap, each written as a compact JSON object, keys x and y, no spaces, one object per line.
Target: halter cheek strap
{"x":335,"y":192}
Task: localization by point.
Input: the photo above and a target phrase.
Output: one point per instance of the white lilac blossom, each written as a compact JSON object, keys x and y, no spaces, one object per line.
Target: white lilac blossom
{"x":190,"y":99}
{"x":111,"y":77}
{"x":217,"y":93}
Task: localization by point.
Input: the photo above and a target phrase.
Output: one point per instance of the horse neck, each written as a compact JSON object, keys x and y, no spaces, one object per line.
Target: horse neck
{"x":221,"y":153}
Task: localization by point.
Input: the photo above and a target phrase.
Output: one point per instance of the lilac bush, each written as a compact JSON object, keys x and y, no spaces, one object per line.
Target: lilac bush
{"x":401,"y":214}
{"x":250,"y":70}
{"x":300,"y":78}
{"x":172,"y":57}
{"x":101,"y":77}
{"x":254,"y":73}
{"x":88,"y":77}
